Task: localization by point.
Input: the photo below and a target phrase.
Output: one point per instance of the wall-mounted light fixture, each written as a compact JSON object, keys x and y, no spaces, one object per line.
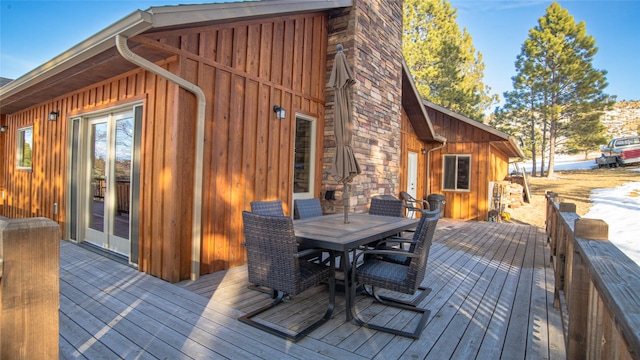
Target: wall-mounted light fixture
{"x":53,"y":115}
{"x":4,"y":128}
{"x":423,"y":151}
{"x":279,"y":111}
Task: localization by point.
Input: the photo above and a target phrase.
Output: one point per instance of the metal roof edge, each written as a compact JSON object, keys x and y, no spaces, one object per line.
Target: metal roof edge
{"x":135,"y":23}
{"x":140,"y":21}
{"x":173,"y":15}
{"x":405,"y":69}
{"x":467,"y":120}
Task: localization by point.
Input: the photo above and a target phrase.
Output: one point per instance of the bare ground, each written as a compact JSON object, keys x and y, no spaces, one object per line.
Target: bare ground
{"x":572,"y":186}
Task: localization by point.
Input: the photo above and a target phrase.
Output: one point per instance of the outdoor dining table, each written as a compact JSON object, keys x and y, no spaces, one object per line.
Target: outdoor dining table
{"x":329,"y":232}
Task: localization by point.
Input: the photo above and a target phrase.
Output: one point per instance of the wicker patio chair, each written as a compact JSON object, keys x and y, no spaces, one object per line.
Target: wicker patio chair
{"x":273,"y":261}
{"x":306,"y":208}
{"x":412,"y":204}
{"x":386,"y":206}
{"x":272,"y":208}
{"x":398,"y":243}
{"x":402,"y":278}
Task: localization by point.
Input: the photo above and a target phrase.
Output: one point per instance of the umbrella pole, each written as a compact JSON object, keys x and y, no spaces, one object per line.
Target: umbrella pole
{"x":345,"y":198}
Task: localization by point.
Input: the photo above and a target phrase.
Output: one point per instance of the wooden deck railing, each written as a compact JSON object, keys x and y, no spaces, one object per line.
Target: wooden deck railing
{"x":596,"y":285}
{"x":29,"y":288}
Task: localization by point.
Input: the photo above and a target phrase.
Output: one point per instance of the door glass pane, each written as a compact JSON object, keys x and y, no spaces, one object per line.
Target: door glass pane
{"x":98,"y":159}
{"x":302,"y":157}
{"x":123,"y":151}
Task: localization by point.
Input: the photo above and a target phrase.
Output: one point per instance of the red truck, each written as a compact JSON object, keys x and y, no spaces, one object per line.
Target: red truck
{"x":620,"y":151}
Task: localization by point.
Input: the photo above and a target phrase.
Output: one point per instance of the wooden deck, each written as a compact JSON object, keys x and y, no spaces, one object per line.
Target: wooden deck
{"x":492,"y":298}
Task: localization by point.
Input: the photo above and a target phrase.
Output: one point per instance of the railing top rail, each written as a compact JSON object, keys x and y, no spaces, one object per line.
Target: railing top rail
{"x":617,"y":279}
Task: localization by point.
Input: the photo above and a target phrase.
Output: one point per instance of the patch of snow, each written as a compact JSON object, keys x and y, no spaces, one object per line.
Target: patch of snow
{"x":563,"y":163}
{"x":619,"y":208}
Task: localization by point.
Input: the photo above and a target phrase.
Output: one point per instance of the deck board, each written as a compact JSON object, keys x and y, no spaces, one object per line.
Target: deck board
{"x":492,"y":296}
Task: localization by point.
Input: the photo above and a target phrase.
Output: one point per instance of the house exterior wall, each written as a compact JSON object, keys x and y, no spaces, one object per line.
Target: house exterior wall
{"x":409,"y":142}
{"x":32,"y":193}
{"x":371,"y":33}
{"x":487,"y":164}
{"x":244,"y":68}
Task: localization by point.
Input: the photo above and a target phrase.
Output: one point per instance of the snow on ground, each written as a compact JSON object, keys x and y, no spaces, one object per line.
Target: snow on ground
{"x":619,"y":208}
{"x":564,"y":163}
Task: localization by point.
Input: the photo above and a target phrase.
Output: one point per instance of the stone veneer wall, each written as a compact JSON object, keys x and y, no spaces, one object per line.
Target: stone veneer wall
{"x":371,"y":33}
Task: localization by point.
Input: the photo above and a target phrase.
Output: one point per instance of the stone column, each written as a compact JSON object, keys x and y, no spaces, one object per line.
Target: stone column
{"x":371,"y":33}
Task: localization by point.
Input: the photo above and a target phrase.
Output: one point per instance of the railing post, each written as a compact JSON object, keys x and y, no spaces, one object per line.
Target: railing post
{"x":562,"y":238}
{"x":29,"y":288}
{"x":578,"y":302}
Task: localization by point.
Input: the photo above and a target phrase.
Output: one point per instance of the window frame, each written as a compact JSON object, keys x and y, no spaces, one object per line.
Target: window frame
{"x":313,"y":123}
{"x":20,"y":142}
{"x":456,"y":172}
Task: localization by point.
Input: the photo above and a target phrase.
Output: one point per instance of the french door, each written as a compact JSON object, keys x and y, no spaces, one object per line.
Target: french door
{"x":107,"y":181}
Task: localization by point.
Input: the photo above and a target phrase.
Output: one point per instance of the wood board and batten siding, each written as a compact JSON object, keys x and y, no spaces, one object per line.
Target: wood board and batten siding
{"x":410,"y":142}
{"x":487,"y":164}
{"x":244,"y":68}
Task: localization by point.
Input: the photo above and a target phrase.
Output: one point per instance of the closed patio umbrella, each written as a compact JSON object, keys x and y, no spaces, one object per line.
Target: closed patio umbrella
{"x":345,"y":166}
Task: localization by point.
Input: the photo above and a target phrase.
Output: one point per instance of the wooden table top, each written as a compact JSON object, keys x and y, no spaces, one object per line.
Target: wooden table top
{"x":330,"y":232}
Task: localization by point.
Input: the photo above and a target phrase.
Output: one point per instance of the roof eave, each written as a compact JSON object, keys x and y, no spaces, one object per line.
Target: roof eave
{"x":169,"y":16}
{"x":159,"y":17}
{"x":418,"y":98}
{"x":133,"y":24}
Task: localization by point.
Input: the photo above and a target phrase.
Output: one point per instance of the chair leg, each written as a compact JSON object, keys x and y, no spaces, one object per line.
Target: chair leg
{"x":290,"y":336}
{"x":263,"y":289}
{"x":413,"y":302}
{"x":424,"y":316}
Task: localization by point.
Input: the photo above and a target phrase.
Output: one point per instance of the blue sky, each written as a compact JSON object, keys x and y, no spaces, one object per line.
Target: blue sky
{"x":499,"y":28}
{"x":33,"y":32}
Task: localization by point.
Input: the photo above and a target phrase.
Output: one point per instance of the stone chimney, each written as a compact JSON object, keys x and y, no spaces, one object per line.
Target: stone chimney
{"x":371,"y":33}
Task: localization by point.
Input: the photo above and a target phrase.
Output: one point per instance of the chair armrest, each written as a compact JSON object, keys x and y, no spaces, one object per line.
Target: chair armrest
{"x":391,"y":252}
{"x":397,"y":240}
{"x":307,"y":252}
{"x":381,"y":252}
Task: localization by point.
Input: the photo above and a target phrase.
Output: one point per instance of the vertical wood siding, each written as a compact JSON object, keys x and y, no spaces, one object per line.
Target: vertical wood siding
{"x":487,"y":164}
{"x":409,"y":142}
{"x":33,"y":192}
{"x":244,"y":69}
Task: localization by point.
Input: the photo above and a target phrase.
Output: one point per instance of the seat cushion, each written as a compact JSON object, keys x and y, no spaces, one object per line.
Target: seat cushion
{"x":385,"y":275}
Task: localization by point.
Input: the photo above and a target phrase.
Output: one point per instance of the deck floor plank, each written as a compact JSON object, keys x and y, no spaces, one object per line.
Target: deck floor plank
{"x":492,"y":297}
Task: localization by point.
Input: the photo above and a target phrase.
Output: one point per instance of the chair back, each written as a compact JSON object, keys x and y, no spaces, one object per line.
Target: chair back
{"x":409,"y":200}
{"x":271,"y":208}
{"x":386,"y":207}
{"x":431,"y":213}
{"x":306,"y":208}
{"x":271,"y":244}
{"x":423,"y":238}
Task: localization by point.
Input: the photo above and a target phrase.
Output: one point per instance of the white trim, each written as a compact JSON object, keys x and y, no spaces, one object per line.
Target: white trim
{"x":456,"y":173}
{"x":312,"y":172}
{"x":20,"y":142}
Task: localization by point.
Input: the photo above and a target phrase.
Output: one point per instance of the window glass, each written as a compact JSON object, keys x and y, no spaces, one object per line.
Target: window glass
{"x":456,"y":172}
{"x":302,"y":157}
{"x":25,"y":147}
